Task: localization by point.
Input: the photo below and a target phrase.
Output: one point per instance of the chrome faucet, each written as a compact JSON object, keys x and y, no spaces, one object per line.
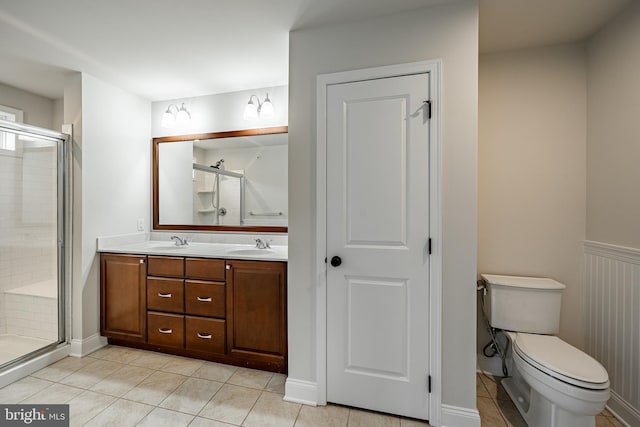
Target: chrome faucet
{"x":262,"y":244}
{"x":180,"y":241}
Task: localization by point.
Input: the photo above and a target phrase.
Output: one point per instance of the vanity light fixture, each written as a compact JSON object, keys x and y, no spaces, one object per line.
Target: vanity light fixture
{"x":179,"y":117}
{"x":264,"y":108}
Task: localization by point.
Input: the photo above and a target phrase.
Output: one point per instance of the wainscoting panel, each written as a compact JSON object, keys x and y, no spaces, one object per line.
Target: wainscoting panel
{"x":612,"y":298}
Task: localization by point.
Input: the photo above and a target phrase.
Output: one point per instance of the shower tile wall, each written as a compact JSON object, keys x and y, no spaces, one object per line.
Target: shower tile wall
{"x":27,"y":220}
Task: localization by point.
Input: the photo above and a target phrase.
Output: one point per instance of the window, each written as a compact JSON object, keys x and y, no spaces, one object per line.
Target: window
{"x":8,"y":140}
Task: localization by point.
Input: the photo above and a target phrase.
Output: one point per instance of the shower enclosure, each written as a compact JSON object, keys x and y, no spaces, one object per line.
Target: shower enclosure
{"x":34,"y":241}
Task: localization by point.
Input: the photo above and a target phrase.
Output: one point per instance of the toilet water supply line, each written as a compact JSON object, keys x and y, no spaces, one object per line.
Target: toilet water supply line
{"x":493,"y":332}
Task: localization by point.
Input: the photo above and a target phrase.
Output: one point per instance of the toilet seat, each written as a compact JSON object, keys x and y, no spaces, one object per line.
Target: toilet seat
{"x":560,"y":360}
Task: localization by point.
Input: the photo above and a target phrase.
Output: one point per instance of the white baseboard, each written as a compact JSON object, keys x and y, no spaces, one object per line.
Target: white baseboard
{"x":623,"y":411}
{"x":29,"y":367}
{"x":454,"y":416}
{"x":80,"y":348}
{"x":299,"y":391}
{"x":489,"y":365}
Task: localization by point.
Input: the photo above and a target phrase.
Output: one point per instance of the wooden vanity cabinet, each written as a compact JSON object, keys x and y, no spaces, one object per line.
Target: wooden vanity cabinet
{"x":123,"y":305}
{"x":225,"y":311}
{"x":256,"y":311}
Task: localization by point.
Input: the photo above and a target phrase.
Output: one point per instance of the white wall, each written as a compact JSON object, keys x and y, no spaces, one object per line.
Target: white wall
{"x":222,"y":112}
{"x":38,"y":110}
{"x":111,"y":180}
{"x":613,"y":207}
{"x":613,"y":176}
{"x":448,"y":32}
{"x":532,"y":171}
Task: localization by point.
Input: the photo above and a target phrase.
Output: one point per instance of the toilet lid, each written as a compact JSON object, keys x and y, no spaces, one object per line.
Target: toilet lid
{"x":560,"y":360}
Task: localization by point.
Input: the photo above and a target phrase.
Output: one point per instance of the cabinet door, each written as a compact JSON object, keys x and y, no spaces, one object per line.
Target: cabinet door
{"x":122,"y":296}
{"x":257,"y":311}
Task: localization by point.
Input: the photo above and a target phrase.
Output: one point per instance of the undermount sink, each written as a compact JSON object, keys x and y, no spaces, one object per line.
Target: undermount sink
{"x":168,"y":247}
{"x":250,"y":251}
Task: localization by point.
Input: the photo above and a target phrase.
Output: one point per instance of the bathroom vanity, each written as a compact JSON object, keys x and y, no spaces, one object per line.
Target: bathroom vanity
{"x":220,"y":302}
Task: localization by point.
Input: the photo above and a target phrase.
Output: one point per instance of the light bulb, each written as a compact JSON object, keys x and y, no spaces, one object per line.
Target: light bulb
{"x":183,"y":117}
{"x":168,"y":119}
{"x":250,"y":111}
{"x":266,"y":110}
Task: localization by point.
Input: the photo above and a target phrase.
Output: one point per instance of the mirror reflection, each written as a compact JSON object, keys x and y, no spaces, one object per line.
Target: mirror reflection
{"x":232,"y":180}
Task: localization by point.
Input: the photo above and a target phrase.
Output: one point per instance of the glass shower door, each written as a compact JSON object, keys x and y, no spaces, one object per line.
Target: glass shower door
{"x":32,"y":241}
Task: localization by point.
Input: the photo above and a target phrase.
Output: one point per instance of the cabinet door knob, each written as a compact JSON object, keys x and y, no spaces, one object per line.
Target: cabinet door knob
{"x":204,"y":336}
{"x":165,"y":330}
{"x":161,"y":295}
{"x":204,"y":299}
{"x":141,"y":261}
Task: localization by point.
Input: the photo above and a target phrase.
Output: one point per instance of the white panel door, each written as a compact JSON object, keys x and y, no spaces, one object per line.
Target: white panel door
{"x":378,"y":225}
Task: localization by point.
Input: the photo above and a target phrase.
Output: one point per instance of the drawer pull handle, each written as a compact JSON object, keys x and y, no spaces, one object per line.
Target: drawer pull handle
{"x":165,"y":330}
{"x":204,"y":336}
{"x":204,"y":299}
{"x":161,"y":295}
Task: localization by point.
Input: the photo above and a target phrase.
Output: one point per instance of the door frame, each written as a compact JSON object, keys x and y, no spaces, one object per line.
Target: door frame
{"x":432,"y":67}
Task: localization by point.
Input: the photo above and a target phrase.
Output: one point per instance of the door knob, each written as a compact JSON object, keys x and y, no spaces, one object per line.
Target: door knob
{"x":336,"y":261}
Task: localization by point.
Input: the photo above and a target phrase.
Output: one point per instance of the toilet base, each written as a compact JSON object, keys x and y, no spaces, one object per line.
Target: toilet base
{"x":538,"y":411}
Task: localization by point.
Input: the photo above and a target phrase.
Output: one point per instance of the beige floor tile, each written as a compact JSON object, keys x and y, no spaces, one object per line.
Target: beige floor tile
{"x":160,"y":417}
{"x":494,"y":388}
{"x":489,"y":413}
{"x":91,"y":374}
{"x":54,"y":394}
{"x":118,"y":354}
{"x":231,"y":404}
{"x":481,"y":390}
{"x":155,"y":388}
{"x":276,"y":383}
{"x":602,"y":421}
{"x":182,"y":365}
{"x":271,"y":411}
{"x":122,"y":413}
{"x":206,"y":422}
{"x":87,"y":405}
{"x":251,"y":378}
{"x":510,"y":413}
{"x":122,"y":380}
{"x":63,"y":368}
{"x":360,"y":418}
{"x":215,"y":372}
{"x":22,"y":389}
{"x":327,"y":416}
{"x":412,"y":423}
{"x":191,"y":396}
{"x":151,"y":360}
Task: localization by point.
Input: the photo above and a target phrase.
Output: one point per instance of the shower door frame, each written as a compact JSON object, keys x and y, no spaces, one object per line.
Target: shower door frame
{"x":63,"y":228}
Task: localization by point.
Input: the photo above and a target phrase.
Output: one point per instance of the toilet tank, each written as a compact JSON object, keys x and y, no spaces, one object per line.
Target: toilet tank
{"x":523,"y":304}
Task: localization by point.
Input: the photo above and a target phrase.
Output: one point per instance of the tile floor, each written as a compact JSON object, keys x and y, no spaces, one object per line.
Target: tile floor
{"x":118,"y":386}
{"x":497,"y":410}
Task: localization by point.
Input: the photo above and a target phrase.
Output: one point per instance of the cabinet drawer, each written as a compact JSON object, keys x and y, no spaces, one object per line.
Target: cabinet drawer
{"x":165,"y":266}
{"x":165,"y":329}
{"x":205,"y":298}
{"x":205,"y":334}
{"x":165,"y":294}
{"x":203,"y":268}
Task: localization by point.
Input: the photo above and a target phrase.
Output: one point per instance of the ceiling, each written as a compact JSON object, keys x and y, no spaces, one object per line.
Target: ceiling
{"x":161,"y":49}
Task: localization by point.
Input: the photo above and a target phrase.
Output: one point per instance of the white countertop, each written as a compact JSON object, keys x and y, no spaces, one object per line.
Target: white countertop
{"x":193,"y":249}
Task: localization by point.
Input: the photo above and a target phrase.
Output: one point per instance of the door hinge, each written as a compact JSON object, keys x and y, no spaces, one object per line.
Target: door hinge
{"x":429,"y":245}
{"x":429,"y":383}
{"x":428,"y":103}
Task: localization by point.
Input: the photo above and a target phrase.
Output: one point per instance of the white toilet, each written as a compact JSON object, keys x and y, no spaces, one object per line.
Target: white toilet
{"x":552,"y":383}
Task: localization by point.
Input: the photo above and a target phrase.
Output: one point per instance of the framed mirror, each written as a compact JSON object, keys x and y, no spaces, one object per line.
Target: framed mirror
{"x":223,"y":181}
